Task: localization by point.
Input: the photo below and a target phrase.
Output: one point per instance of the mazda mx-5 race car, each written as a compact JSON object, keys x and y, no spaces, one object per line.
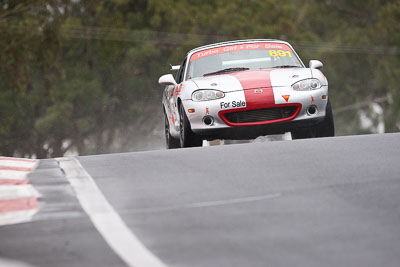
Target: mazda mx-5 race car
{"x":242,"y":90}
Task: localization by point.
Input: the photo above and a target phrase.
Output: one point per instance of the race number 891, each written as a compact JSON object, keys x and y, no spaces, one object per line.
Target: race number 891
{"x":280,"y":53}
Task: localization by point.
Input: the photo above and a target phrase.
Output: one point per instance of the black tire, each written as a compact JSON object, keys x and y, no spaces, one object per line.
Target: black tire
{"x":187,"y":137}
{"x":170,"y":141}
{"x":303,"y":133}
{"x":327,"y":127}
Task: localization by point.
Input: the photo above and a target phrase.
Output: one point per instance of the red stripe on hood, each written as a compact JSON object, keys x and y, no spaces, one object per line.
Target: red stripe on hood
{"x":257,"y":79}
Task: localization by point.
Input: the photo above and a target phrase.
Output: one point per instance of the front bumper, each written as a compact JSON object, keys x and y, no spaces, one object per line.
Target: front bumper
{"x":222,"y":127}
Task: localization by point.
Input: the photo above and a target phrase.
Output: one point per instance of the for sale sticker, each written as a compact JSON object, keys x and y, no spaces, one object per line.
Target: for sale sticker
{"x":233,"y":104}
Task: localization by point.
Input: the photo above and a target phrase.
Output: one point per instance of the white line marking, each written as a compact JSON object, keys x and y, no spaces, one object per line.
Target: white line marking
{"x":18,"y":175}
{"x":13,"y":217}
{"x":18,"y":191}
{"x":208,"y":204}
{"x":105,"y":218}
{"x":13,"y":263}
{"x":231,"y":201}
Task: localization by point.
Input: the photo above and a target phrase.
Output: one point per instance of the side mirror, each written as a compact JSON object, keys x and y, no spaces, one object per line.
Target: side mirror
{"x":167,"y":79}
{"x":176,"y":67}
{"x":315,"y":64}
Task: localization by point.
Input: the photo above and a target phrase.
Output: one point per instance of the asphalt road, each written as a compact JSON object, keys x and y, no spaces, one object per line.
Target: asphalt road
{"x":319,"y":202}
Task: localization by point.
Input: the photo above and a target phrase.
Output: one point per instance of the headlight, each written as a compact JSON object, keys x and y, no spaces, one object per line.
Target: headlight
{"x":205,"y":95}
{"x":306,"y":85}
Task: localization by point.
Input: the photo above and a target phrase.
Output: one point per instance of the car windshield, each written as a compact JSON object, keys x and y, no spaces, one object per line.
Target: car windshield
{"x":242,"y":57}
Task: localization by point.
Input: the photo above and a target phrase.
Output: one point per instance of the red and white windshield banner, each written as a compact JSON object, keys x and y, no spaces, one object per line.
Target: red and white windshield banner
{"x":239,"y":47}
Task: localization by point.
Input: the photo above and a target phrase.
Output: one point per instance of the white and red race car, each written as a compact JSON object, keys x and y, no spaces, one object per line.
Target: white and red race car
{"x":242,"y":90}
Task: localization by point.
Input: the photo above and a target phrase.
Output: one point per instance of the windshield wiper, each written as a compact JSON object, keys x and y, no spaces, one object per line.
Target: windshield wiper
{"x":286,"y":66}
{"x":226,"y":70}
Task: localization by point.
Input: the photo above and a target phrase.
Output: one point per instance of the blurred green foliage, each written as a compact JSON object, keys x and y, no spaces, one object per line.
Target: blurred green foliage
{"x":81,"y":76}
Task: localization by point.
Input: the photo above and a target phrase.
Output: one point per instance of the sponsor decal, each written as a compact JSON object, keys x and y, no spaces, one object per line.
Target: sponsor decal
{"x":180,"y":89}
{"x":172,"y":119}
{"x":172,"y":115}
{"x":207,"y":111}
{"x":233,"y":104}
{"x":279,"y":53}
{"x":258,"y":91}
{"x":312,"y":99}
{"x":253,"y":46}
{"x":286,"y":97}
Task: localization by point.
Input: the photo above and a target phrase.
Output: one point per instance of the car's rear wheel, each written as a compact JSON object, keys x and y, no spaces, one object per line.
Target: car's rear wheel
{"x":187,"y":137}
{"x":170,"y":141}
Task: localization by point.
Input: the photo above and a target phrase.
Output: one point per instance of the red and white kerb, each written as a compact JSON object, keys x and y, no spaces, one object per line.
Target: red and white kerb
{"x":18,"y":199}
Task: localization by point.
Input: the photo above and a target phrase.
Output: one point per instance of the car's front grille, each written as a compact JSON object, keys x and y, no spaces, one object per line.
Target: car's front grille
{"x":261,"y":115}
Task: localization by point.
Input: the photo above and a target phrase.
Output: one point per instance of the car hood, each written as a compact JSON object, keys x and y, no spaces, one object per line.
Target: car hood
{"x":250,"y":79}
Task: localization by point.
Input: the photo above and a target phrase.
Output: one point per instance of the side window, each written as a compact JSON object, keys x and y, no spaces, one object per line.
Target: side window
{"x":179,"y":76}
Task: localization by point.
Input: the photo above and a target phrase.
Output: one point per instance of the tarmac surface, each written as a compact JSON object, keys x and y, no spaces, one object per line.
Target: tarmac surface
{"x":317,"y":202}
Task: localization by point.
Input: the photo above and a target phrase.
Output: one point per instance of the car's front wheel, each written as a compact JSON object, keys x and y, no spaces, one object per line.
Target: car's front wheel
{"x":187,"y":137}
{"x":170,"y":141}
{"x":326,"y":128}
{"x":303,"y":133}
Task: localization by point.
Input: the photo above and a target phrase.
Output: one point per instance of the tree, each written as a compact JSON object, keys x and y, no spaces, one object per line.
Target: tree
{"x":81,"y":76}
